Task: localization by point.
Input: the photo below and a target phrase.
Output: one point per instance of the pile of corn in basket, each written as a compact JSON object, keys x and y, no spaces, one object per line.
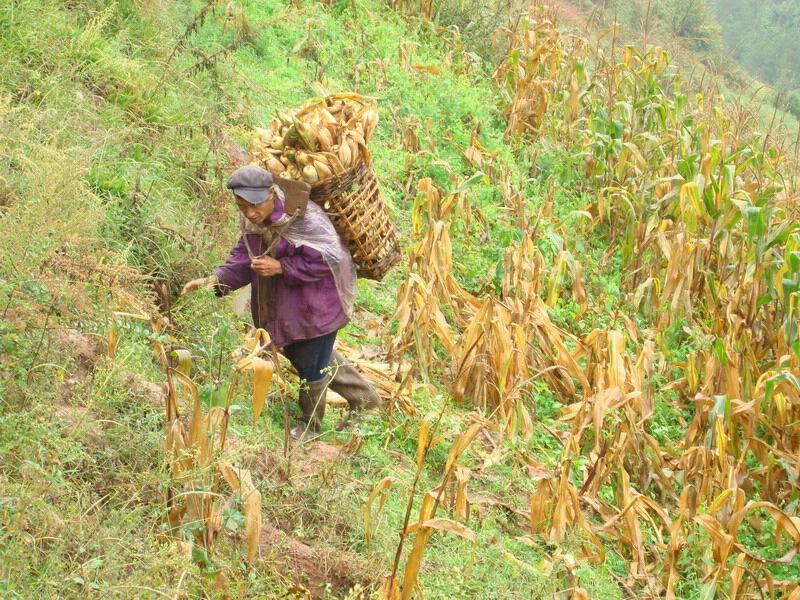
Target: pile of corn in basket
{"x":325,"y":145}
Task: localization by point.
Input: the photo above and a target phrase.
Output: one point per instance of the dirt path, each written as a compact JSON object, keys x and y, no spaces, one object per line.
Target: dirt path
{"x":313,"y":566}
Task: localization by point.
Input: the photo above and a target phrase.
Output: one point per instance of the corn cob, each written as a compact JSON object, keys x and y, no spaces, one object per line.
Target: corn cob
{"x":318,"y":141}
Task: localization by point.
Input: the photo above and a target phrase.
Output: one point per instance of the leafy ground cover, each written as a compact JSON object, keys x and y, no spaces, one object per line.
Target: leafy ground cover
{"x":614,"y":380}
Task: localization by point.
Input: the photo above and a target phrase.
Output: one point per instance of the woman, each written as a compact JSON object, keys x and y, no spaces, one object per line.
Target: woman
{"x":302,"y":291}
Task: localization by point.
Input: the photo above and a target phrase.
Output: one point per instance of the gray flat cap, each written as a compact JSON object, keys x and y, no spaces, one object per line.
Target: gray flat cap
{"x":251,"y":183}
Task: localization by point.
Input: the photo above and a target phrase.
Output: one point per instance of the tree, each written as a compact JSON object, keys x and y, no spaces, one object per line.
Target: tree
{"x":763,"y":36}
{"x":689,"y":22}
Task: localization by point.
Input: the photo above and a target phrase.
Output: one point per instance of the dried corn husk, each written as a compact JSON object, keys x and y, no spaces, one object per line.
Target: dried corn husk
{"x":324,"y":138}
{"x":345,"y":155}
{"x":318,"y":141}
{"x":275,"y":166}
{"x":310,"y":174}
{"x":323,"y":170}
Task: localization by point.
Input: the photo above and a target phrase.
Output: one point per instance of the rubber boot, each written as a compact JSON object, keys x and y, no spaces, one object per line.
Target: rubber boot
{"x":311,"y":397}
{"x":351,"y":385}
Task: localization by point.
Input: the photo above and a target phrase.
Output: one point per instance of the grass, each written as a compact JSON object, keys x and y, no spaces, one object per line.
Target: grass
{"x":113,"y":162}
{"x":114,"y":145}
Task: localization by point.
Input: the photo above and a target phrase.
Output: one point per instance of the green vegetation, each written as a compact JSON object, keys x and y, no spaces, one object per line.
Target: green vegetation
{"x":691,"y":22}
{"x":746,"y":49}
{"x":117,"y":125}
{"x":114,"y":155}
{"x":763,"y":38}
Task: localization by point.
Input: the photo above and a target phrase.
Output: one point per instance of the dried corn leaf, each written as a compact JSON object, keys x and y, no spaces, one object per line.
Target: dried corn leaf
{"x":414,"y":560}
{"x":252,"y":523}
{"x":441,"y":524}
{"x":390,"y":588}
{"x":423,"y":439}
{"x":461,"y":444}
{"x":378,"y":491}
{"x":461,"y":507}
{"x":262,"y":375}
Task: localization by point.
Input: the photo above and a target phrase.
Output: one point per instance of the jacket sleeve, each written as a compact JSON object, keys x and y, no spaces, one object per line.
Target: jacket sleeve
{"x":304,"y":266}
{"x":235,"y":273}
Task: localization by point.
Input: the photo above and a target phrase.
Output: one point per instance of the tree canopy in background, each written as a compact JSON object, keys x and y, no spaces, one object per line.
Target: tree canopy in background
{"x":764,"y":36}
{"x":689,"y":22}
{"x":760,"y":36}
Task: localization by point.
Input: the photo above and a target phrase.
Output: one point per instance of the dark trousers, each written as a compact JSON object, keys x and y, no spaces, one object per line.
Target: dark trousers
{"x":310,"y":357}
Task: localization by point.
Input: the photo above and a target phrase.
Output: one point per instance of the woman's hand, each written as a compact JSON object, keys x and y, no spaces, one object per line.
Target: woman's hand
{"x":196,"y":284}
{"x":266,"y":266}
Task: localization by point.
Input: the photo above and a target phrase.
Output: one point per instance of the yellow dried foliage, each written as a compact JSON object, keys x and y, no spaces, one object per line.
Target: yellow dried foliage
{"x":241,"y":482}
{"x":319,"y":140}
{"x":194,"y":446}
{"x":703,"y":215}
{"x":527,"y":76}
{"x":379,"y":492}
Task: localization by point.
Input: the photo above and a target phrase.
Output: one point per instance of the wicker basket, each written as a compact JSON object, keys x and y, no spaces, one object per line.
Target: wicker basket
{"x":354,"y":204}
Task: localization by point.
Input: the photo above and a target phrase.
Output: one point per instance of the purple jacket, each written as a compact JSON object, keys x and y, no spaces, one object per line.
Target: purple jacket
{"x":303,"y":301}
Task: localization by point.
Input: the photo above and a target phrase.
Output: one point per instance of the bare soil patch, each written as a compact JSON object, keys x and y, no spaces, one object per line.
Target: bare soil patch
{"x":314,"y":567}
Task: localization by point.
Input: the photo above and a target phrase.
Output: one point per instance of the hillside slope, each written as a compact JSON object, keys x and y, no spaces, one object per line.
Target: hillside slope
{"x":118,"y":122}
{"x":592,"y":365}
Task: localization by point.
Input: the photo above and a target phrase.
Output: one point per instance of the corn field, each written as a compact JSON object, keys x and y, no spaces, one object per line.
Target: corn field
{"x":195,"y":448}
{"x":701,"y":208}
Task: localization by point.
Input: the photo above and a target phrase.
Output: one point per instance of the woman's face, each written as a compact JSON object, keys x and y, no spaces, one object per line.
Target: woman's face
{"x":257,"y":213}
